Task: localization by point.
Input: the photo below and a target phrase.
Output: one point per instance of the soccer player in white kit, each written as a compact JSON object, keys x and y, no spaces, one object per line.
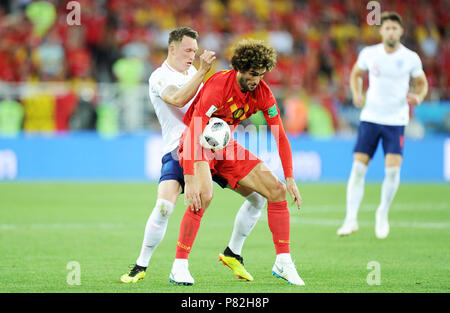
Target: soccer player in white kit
{"x":384,"y":116}
{"x":172,"y":88}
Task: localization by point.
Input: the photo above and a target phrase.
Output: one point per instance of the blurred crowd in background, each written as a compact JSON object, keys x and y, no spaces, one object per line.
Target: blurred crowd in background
{"x":58,"y":77}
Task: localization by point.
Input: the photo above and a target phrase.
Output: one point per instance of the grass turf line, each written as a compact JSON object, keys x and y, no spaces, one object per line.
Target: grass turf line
{"x":43,"y":226}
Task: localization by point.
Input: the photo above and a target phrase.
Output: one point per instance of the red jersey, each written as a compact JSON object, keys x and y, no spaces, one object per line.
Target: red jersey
{"x":221,"y":97}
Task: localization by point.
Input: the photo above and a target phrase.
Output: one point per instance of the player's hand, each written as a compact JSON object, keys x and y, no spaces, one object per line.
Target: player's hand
{"x":358,"y":100}
{"x":207,"y":58}
{"x":192,"y":193}
{"x":292,"y":188}
{"x":413,"y":99}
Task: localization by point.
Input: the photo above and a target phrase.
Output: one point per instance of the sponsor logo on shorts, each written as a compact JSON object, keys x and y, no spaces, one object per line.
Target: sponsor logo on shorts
{"x":402,"y":141}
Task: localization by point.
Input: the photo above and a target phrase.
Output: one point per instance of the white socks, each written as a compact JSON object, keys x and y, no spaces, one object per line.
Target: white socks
{"x":283,"y":258}
{"x":355,"y":189}
{"x":389,"y":188}
{"x":155,"y":230}
{"x":156,"y":226}
{"x":245,"y":220}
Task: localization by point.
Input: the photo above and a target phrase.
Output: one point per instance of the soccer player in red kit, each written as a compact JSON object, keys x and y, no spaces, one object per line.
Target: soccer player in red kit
{"x":234,"y":95}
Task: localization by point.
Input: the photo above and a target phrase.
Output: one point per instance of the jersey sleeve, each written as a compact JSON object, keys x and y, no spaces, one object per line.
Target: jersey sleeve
{"x":159,"y":82}
{"x":362,"y":60}
{"x":208,"y":102}
{"x":272,"y":115}
{"x":417,"y":69}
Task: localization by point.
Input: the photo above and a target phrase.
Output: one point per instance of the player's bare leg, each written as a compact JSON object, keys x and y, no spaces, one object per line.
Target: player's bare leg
{"x":190,"y":224}
{"x":264,"y":182}
{"x":389,"y":188}
{"x":155,"y":229}
{"x":355,"y":193}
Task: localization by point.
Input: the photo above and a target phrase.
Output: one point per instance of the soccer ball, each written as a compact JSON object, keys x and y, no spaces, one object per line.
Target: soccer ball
{"x":216,"y":134}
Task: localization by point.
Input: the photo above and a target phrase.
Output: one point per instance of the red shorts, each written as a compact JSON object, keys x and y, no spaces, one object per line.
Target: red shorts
{"x":232,"y":163}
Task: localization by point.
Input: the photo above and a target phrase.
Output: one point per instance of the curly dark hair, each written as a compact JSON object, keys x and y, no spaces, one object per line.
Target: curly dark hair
{"x":253,"y":54}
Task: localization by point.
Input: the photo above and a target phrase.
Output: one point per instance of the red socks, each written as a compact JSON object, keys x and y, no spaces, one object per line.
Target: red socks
{"x":278,"y":218}
{"x":189,"y":227}
{"x":277,"y":215}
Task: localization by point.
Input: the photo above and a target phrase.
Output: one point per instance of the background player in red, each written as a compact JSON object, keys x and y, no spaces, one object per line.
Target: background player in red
{"x":233,"y":96}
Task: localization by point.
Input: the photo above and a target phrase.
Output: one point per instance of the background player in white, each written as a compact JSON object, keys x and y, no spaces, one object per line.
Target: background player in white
{"x":172,"y":88}
{"x":391,"y":66}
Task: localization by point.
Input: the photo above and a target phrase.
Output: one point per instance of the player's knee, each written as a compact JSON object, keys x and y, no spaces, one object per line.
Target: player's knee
{"x":164,"y":207}
{"x":206,"y":197}
{"x":256,"y":200}
{"x":393,"y":160}
{"x":361,"y":158}
{"x":359,"y":170}
{"x":277,"y":192}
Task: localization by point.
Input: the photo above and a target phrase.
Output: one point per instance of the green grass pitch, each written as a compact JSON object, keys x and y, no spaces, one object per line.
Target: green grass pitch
{"x":44,"y":226}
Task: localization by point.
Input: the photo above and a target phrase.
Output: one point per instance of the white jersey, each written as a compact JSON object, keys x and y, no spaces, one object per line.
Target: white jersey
{"x":169,"y":116}
{"x":389,"y":75}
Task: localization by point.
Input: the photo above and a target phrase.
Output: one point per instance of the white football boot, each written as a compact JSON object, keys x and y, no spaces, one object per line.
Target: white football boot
{"x":381,"y":225}
{"x":349,"y":227}
{"x":287,"y":271}
{"x":179,"y":274}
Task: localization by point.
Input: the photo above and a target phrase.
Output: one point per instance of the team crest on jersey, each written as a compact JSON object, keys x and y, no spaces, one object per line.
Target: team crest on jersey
{"x":376,"y":70}
{"x":238,"y":113}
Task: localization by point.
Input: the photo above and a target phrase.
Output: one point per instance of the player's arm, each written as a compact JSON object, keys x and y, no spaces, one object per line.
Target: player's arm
{"x":191,"y":144}
{"x":192,"y":150}
{"x":180,"y":96}
{"x":275,"y":123}
{"x":356,"y":85}
{"x":420,"y":90}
